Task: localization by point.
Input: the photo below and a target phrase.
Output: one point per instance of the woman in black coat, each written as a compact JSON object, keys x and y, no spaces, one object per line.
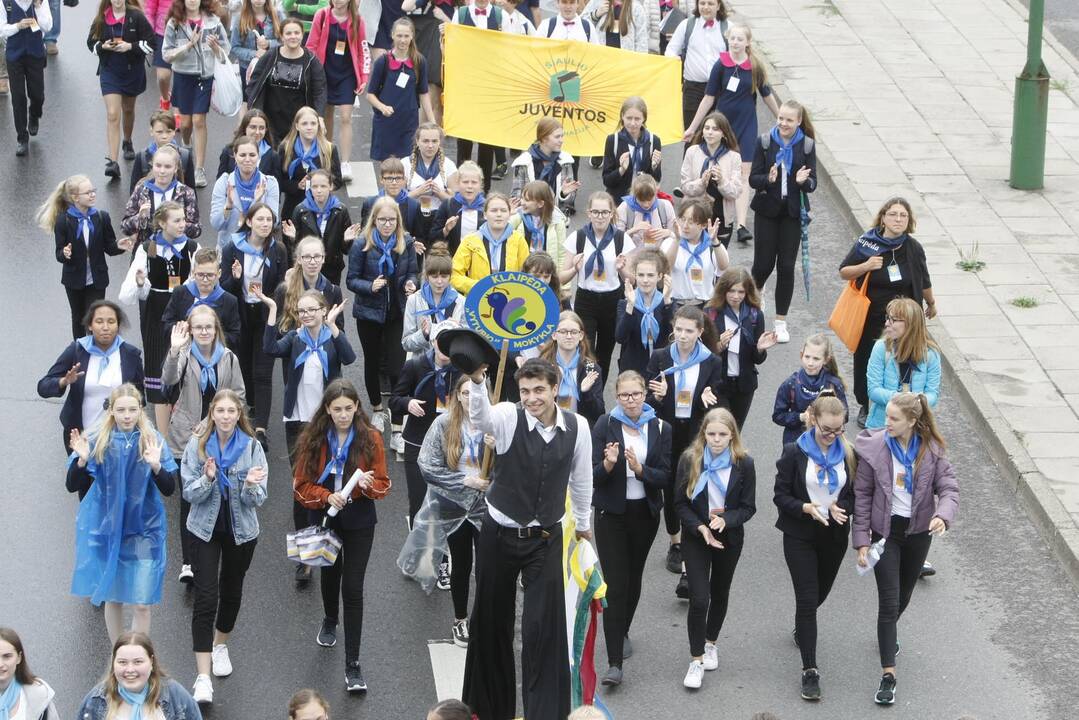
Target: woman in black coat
{"x":814,"y":492}
{"x":287,"y":79}
{"x":715,"y":497}
{"x":631,"y":461}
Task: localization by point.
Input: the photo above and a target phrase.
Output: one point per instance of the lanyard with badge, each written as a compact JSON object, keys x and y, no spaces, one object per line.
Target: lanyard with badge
{"x":732,"y":84}
{"x":895,"y":273}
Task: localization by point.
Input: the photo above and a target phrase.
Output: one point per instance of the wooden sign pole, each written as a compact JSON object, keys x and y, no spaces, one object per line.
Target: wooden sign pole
{"x":488,"y":452}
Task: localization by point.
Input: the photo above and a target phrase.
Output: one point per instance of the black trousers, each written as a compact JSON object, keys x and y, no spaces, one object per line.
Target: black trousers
{"x":897,"y":573}
{"x":80,"y":300}
{"x":382,"y":352}
{"x":187,"y":540}
{"x":463,"y":541}
{"x":599,"y":311}
{"x":623,"y":541}
{"x":874,"y":327}
{"x":692,"y":94}
{"x":345,"y":578}
{"x":710,"y":572}
{"x":490,"y":685}
{"x":255,"y":365}
{"x":485,"y":158}
{"x":220,"y":566}
{"x":739,"y":401}
{"x":682,"y":431}
{"x":26,"y":78}
{"x":293,"y":428}
{"x":775,"y":246}
{"x":813,"y":565}
{"x":417,"y":486}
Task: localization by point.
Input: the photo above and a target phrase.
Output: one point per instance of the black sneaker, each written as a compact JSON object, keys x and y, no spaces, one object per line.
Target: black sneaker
{"x":112,"y":169}
{"x":681,"y":590}
{"x":627,"y":648}
{"x":129,"y":150}
{"x":811,"y":685}
{"x":303,"y":575}
{"x":327,"y":634}
{"x":863,"y":415}
{"x":886,"y":692}
{"x":443,"y":581}
{"x":32,"y":126}
{"x":354,"y":681}
{"x":613,"y":676}
{"x":21,"y":149}
{"x":264,"y":441}
{"x":744,"y":235}
{"x":674,"y":558}
{"x":499,"y":171}
{"x":927,"y":570}
{"x":596,"y":162}
{"x":794,"y":636}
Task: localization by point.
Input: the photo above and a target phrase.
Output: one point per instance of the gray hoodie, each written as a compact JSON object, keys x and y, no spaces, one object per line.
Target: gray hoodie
{"x":200,"y":59}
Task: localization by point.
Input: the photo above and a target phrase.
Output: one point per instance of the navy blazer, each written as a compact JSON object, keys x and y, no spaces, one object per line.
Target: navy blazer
{"x":590,"y":405}
{"x":338,"y":352}
{"x":144,"y":163}
{"x":102,"y":242}
{"x":710,"y":374}
{"x":627,"y":332}
{"x":738,"y":507}
{"x":228,"y":312}
{"x":749,"y":357}
{"x":415,"y":222}
{"x":453,"y":238}
{"x":791,"y":494}
{"x":331,"y":292}
{"x":333,"y":239}
{"x":767,"y":200}
{"x":291,"y":193}
{"x":609,"y":488}
{"x":412,"y":374}
{"x":362,"y":271}
{"x":71,"y":413}
{"x":273,"y":273}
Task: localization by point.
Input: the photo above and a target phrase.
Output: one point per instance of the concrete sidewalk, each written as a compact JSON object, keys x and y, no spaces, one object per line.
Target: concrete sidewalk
{"x":914,"y":98}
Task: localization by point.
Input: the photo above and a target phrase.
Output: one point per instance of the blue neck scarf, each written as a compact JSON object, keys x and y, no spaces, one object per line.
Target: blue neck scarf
{"x":637,"y":149}
{"x":738,"y":317}
{"x":428,"y":172}
{"x":264,"y":147}
{"x":826,"y":463}
{"x":906,"y":458}
{"x":152,"y":148}
{"x":177,"y":246}
{"x":89,"y":346}
{"x":438,"y":311}
{"x":700,"y":354}
{"x":497,"y":246}
{"x":811,"y":385}
{"x":595,"y":260}
{"x":208,"y":375}
{"x":239,"y":240}
{"x":210,"y":299}
{"x":648,"y":414}
{"x":534,"y":230}
{"x":321,"y":213}
{"x":246,"y":190}
{"x":338,"y":456}
{"x":308,"y":159}
{"x":320,"y":283}
{"x":646,"y":212}
{"x":873,"y":243}
{"x":154,"y":188}
{"x":83,"y":218}
{"x":226,"y":458}
{"x":785,"y":150}
{"x":567,"y":387}
{"x":476,"y":204}
{"x":696,"y":254}
{"x":649,"y":324}
{"x":711,"y":159}
{"x":135,"y":700}
{"x":711,"y":465}
{"x":401,"y":197}
{"x":9,"y":698}
{"x":549,"y":172}
{"x":472,"y":444}
{"x":312,"y":345}
{"x":386,"y":266}
{"x":440,"y":375}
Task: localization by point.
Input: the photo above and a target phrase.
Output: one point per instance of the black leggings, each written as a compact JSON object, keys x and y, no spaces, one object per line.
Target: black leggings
{"x":897,"y":573}
{"x":79,"y":300}
{"x":382,"y":352}
{"x":255,"y":365}
{"x":681,"y":436}
{"x":345,"y":579}
{"x":776,"y":242}
{"x":710,"y":572}
{"x":874,"y":326}
{"x":220,"y":566}
{"x":813,"y":565}
{"x":293,"y":428}
{"x":599,"y":311}
{"x":417,"y":486}
{"x":739,"y":403}
{"x":462,"y":544}
{"x":692,"y":94}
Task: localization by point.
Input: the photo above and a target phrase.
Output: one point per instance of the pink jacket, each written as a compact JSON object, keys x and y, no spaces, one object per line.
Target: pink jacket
{"x":731,"y":167}
{"x":157,"y":12}
{"x":320,"y":38}
{"x":936,"y":490}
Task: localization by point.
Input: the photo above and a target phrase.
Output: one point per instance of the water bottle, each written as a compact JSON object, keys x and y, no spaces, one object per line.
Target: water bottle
{"x":567,"y":177}
{"x":875,"y":551}
{"x":520,"y":178}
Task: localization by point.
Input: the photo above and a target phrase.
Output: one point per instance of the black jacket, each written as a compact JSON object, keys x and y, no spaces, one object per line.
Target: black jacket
{"x":102,"y":242}
{"x":627,"y":333}
{"x":314,"y":81}
{"x":289,"y":346}
{"x":144,"y":163}
{"x":71,"y":413}
{"x":791,"y":495}
{"x":590,"y":405}
{"x":617,"y":182}
{"x":137,"y":31}
{"x":609,"y":488}
{"x":740,"y":504}
{"x":334,"y":238}
{"x":767,"y":201}
{"x":228,"y":312}
{"x":710,"y":374}
{"x":444,"y":212}
{"x":291,"y":194}
{"x":749,"y":357}
{"x":405,"y":390}
{"x":273,"y":274}
{"x":416,"y":223}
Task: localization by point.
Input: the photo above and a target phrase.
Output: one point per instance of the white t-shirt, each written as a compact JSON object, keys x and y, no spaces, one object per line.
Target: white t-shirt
{"x":639,"y":444}
{"x":309,"y":391}
{"x":610,"y":280}
{"x":819,"y":493}
{"x":734,"y":365}
{"x":717,"y":499}
{"x":901,"y":499}
{"x":697,"y":282}
{"x":470,"y":222}
{"x":95,"y":390}
{"x":415,"y":180}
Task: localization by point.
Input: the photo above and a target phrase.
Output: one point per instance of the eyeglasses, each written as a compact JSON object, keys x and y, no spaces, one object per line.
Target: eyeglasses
{"x":897,"y":215}
{"x":829,"y":432}
{"x":91,"y":191}
{"x":891,"y":319}
{"x":307,"y":311}
{"x":386,"y":221}
{"x":202,"y":328}
{"x":567,"y":333}
{"x":393,"y":178}
{"x":205,"y":276}
{"x":312,"y":258}
{"x":625,"y":397}
{"x":599,"y":213}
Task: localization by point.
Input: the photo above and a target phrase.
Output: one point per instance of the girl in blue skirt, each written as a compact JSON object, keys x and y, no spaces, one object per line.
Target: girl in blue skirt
{"x":397,"y":90}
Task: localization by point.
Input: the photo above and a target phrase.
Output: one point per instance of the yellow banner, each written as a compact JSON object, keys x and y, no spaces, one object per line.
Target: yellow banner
{"x":498,"y":85}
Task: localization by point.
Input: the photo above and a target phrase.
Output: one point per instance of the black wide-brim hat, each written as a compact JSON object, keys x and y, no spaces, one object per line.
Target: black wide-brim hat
{"x":466,"y":349}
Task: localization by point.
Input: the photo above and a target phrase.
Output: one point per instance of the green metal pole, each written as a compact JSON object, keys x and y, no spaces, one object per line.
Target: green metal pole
{"x":1031,"y":112}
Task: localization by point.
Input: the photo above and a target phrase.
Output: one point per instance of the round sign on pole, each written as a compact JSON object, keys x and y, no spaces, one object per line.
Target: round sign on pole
{"x":512,"y":308}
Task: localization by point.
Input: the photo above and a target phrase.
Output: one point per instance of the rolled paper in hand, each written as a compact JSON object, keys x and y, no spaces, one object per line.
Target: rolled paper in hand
{"x":346,"y":491}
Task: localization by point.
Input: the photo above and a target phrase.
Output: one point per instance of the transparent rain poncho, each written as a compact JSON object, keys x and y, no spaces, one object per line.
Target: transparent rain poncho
{"x":120,"y":527}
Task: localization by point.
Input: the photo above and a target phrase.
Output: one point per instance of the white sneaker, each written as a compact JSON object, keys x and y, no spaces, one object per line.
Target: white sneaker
{"x":200,"y":178}
{"x":764,"y":297}
{"x":694,"y":675}
{"x":397,"y":443}
{"x":222,"y":665}
{"x":782,"y":335}
{"x":711,"y":656}
{"x":186,"y":574}
{"x":346,"y":171}
{"x":460,"y":633}
{"x":379,"y":420}
{"x":203,"y":691}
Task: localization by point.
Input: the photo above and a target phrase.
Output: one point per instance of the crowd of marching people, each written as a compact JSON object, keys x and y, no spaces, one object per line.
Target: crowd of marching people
{"x":654,"y":314}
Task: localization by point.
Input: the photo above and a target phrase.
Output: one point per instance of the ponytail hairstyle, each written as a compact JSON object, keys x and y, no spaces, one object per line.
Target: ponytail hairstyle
{"x":300,"y":698}
{"x":540,"y":191}
{"x":804,"y":121}
{"x":244,"y":423}
{"x":734,"y":276}
{"x":469,"y":166}
{"x":413,"y":51}
{"x":541,"y":263}
{"x":830,"y":365}
{"x":828,"y":403}
{"x":58,"y":202}
{"x":915,"y":343}
{"x":694,"y":454}
{"x":415,"y":157}
{"x":758,"y":73}
{"x":644,"y":186}
{"x":161,"y":216}
{"x":108,"y":423}
{"x":916,"y":408}
{"x":155,"y":684}
{"x":709,"y":335}
{"x":495,"y":195}
{"x":451,"y":433}
{"x":239,"y":141}
{"x":544,"y":127}
{"x":437,"y":261}
{"x":451,"y":710}
{"x":723,"y":125}
{"x":288,"y":319}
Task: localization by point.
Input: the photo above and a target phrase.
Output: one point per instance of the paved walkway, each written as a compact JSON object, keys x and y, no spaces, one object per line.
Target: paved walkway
{"x":914,"y":98}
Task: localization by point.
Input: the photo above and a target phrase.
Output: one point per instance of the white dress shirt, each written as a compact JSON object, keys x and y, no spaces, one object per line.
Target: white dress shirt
{"x":705,"y":45}
{"x":41,"y":12}
{"x":558,"y":28}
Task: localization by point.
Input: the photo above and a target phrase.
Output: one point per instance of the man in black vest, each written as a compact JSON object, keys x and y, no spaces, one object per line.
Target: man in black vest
{"x":540,"y":450}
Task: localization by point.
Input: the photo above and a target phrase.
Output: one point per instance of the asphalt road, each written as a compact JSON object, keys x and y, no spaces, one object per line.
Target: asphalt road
{"x":991,"y":636}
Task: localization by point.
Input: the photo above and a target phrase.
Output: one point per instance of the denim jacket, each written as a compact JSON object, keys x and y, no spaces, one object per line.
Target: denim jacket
{"x":175,"y":702}
{"x":205,"y":498}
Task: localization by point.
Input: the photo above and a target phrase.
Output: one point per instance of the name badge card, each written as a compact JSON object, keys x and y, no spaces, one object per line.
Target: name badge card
{"x":402,"y":79}
{"x":895,"y":274}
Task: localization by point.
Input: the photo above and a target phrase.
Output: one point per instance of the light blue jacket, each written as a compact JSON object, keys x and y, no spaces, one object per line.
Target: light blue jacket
{"x":229,"y":225}
{"x":205,"y":497}
{"x":882,"y":379}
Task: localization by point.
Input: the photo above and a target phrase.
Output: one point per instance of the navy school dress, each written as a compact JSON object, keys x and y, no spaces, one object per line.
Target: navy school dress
{"x":340,"y":74}
{"x":400,"y":88}
{"x":738,"y":105}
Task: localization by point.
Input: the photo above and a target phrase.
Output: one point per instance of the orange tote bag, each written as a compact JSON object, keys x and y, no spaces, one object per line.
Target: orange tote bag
{"x":848,"y":316}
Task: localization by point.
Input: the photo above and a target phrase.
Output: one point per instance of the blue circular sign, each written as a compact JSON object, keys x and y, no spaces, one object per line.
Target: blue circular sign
{"x":512,"y":307}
